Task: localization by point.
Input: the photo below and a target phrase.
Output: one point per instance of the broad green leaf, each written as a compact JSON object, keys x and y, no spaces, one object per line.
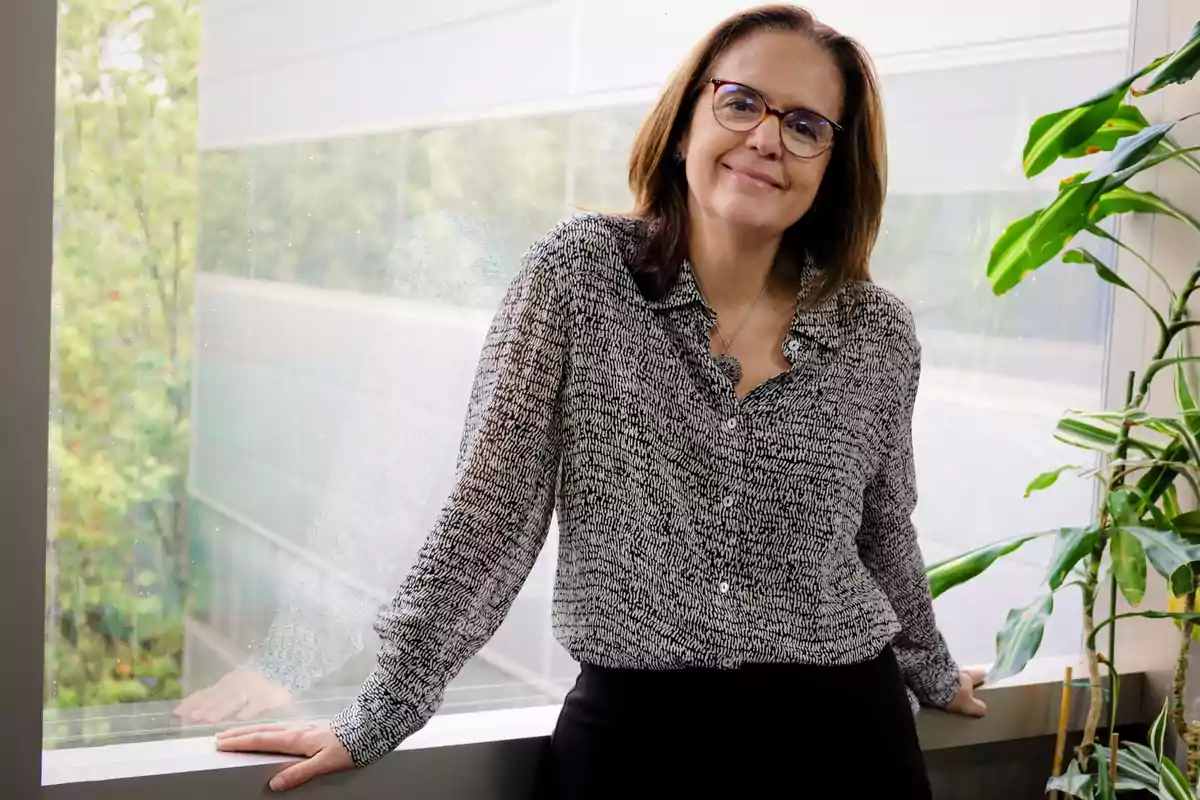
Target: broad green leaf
{"x":1081,"y":255}
{"x":1157,"y":480}
{"x":1073,"y":782}
{"x":1171,"y":555}
{"x":1188,"y":524}
{"x":1134,"y":773}
{"x":1125,"y":121}
{"x":1129,"y":152}
{"x":1020,"y":637}
{"x":945,"y":575}
{"x":1047,"y":479}
{"x":1170,"y":503}
{"x":1123,"y":200}
{"x":1030,"y":242}
{"x":1058,"y":132}
{"x":1071,"y":545}
{"x":1129,"y":565}
{"x":1180,"y":67}
{"x":1123,"y":504}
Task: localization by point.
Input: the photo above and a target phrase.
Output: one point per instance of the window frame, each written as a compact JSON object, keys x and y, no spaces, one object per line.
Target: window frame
{"x":489,"y":754}
{"x":28,"y":42}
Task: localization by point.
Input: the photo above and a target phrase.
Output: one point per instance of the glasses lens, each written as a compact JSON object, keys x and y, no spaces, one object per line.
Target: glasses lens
{"x":806,"y":134}
{"x":737,"y":107}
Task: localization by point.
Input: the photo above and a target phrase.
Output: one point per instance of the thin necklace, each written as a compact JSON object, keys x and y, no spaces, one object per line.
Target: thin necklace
{"x":727,"y":362}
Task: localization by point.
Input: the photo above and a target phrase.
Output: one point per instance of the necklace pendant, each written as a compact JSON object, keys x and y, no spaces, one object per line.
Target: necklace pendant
{"x":730,"y":367}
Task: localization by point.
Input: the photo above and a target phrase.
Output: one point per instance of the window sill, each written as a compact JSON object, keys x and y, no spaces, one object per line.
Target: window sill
{"x":493,"y":754}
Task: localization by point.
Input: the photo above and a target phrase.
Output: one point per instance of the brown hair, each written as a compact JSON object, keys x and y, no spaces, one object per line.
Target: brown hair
{"x":840,"y":228}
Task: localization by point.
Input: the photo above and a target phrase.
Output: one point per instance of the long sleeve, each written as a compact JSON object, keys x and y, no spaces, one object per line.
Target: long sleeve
{"x":887,"y":545}
{"x":492,"y":526}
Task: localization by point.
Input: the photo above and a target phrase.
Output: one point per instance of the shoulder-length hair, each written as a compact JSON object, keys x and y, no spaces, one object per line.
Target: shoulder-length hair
{"x":839,"y":229}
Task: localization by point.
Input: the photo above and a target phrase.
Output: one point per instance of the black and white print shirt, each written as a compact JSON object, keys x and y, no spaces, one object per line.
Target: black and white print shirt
{"x":695,"y":529}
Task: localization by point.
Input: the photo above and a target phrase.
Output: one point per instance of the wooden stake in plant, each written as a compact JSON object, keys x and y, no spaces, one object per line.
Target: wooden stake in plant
{"x":1064,"y":713}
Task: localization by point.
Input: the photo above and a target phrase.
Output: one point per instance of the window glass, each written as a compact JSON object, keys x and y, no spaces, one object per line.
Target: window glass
{"x":282,"y":229}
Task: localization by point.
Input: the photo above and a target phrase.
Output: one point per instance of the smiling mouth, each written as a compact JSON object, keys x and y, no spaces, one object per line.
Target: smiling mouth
{"x":753,"y":178}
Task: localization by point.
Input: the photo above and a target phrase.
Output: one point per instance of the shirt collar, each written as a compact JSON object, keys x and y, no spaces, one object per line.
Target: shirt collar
{"x":820,"y":323}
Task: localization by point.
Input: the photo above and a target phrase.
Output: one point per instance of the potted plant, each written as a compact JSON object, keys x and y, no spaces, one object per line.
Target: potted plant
{"x":1142,"y":459}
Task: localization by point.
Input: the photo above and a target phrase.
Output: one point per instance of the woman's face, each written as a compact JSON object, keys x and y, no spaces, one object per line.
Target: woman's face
{"x":750,"y":179}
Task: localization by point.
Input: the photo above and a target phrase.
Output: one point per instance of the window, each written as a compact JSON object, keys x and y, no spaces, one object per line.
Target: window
{"x":281,"y":230}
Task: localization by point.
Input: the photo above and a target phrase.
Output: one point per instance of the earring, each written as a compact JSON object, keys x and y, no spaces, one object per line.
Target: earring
{"x":678,"y":156}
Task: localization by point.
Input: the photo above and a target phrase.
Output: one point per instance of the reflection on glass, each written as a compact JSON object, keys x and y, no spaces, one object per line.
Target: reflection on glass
{"x":264,"y":345}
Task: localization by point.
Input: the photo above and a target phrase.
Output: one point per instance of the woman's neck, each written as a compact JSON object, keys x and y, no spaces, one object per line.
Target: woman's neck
{"x":731,"y":267}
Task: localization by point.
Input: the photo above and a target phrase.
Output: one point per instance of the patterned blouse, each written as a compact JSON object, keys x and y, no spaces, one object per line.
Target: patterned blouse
{"x":696,"y":529}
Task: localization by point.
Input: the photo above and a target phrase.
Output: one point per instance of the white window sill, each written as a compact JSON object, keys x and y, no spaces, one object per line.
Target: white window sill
{"x":484,"y":742}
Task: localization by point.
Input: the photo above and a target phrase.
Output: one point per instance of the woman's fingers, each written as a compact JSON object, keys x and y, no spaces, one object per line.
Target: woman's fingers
{"x":316,"y":744}
{"x":974,"y":707}
{"x":977,"y":675}
{"x":323,"y":763}
{"x":286,"y":741}
{"x":245,"y":729}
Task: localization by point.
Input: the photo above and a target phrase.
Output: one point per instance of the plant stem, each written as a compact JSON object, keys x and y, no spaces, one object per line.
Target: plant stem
{"x":1096,"y":696}
{"x":1178,"y":713}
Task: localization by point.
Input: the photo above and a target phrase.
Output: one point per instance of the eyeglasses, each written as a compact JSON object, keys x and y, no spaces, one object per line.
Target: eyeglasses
{"x":805,"y":133}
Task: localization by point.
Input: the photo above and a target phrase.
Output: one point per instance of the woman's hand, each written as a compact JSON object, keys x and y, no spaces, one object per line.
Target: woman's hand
{"x":242,"y":694}
{"x":323,"y":754}
{"x":965,"y":702}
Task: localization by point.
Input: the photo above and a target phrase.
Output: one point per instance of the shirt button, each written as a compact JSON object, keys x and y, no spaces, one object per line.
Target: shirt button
{"x":723,"y":586}
{"x":727,"y":501}
{"x":729,"y":663}
{"x":731,"y":423}
{"x":793,"y":345}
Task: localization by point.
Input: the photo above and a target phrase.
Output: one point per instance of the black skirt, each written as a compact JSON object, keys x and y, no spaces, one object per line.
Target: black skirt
{"x":759,"y":731}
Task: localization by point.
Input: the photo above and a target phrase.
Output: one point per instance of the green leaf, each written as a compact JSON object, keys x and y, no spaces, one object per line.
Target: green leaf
{"x":1129,"y":152}
{"x":1072,"y":783}
{"x":1154,"y":367}
{"x":1031,"y":241}
{"x":945,"y":575}
{"x":1171,"y":554}
{"x":1047,"y":479}
{"x":1170,"y":503}
{"x":1192,"y":616}
{"x":1125,"y":121}
{"x":1123,"y":200}
{"x":1020,"y":637}
{"x":1123,"y":505}
{"x":1058,"y":132}
{"x":1157,"y":480}
{"x":1187,"y":524}
{"x":1081,"y":255}
{"x":1071,"y":545}
{"x":1134,"y":773}
{"x":1180,"y":67}
{"x":1086,"y":435}
{"x":1158,"y":732}
{"x":1104,"y":787}
{"x":1129,"y":565}
{"x":1184,"y":399}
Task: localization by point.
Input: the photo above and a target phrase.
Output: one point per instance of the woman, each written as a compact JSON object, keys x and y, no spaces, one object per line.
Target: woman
{"x":720,"y":402}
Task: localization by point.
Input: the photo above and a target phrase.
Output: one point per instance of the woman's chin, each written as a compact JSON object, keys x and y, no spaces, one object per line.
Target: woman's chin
{"x":749,"y":217}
